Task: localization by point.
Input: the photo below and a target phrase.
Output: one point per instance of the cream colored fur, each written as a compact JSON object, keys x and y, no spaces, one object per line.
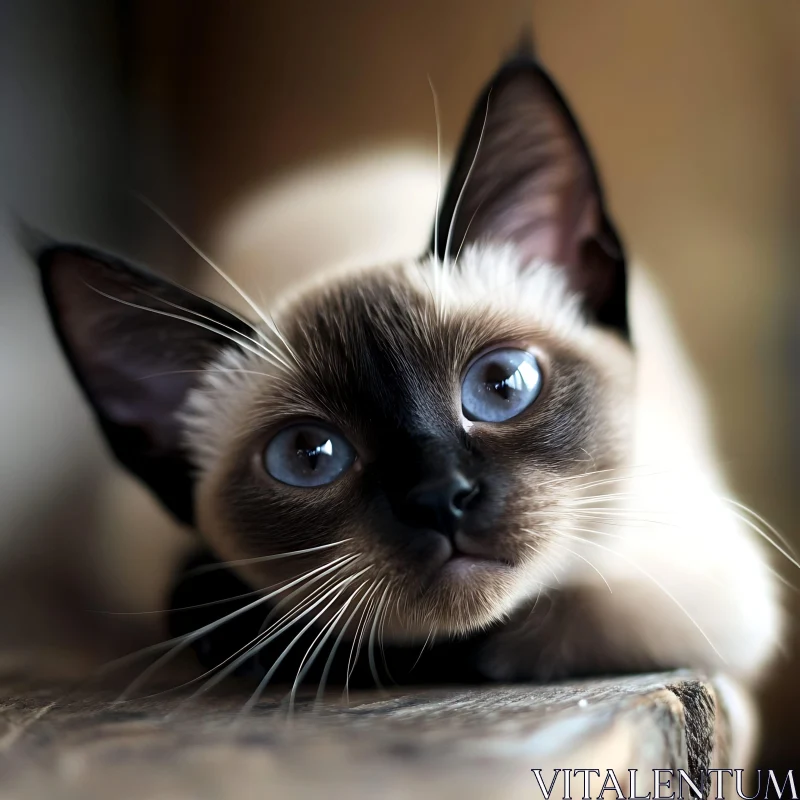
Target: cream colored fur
{"x":689,"y":577}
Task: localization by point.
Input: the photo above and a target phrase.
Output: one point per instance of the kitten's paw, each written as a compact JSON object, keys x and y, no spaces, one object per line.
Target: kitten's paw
{"x":572,"y":634}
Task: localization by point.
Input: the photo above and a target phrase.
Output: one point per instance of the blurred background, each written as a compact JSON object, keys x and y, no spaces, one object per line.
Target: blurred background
{"x":693,"y":111}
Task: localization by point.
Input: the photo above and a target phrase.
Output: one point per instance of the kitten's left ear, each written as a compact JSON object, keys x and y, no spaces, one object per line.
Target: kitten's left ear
{"x":524,"y":174}
{"x":137,"y":345}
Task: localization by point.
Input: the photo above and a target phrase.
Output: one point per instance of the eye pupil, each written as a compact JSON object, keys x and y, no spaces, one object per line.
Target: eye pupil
{"x":312,"y":457}
{"x":500,"y":385}
{"x":313,"y":453}
{"x":503,"y":389}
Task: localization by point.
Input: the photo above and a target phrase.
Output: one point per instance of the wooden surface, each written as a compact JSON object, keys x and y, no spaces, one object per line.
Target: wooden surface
{"x":62,"y":742}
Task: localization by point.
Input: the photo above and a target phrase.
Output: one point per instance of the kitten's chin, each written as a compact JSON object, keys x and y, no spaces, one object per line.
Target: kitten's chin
{"x":465,"y":595}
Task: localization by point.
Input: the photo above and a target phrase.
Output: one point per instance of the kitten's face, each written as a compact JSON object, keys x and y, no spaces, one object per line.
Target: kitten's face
{"x":455,"y":520}
{"x":413,"y":429}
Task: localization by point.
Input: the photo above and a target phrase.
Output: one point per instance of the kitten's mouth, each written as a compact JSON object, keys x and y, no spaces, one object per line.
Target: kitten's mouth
{"x":457,"y":562}
{"x":464,"y":567}
{"x":465,"y":559}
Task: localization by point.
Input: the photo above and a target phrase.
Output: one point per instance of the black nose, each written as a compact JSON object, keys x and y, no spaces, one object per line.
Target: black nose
{"x":441,"y":503}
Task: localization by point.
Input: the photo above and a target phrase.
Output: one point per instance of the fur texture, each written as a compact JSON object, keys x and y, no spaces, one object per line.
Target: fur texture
{"x":599,"y":536}
{"x":653,"y":578}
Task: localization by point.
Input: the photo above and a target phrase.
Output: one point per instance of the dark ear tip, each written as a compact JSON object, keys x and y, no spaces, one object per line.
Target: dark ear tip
{"x":522,"y":62}
{"x":42,"y":248}
{"x":45,"y":251}
{"x":525,"y":47}
{"x":34,"y":242}
{"x":51,"y":250}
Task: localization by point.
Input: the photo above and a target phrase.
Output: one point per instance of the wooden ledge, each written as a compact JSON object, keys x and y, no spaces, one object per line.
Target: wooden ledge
{"x":57,"y":742}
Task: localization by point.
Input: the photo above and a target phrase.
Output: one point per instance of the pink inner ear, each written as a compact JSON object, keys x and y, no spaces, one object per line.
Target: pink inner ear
{"x":551,"y":226}
{"x":136,"y":365}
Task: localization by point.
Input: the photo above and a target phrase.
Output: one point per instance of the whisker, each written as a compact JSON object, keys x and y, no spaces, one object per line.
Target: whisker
{"x":203,"y":372}
{"x":358,"y":637}
{"x":466,"y":232}
{"x":621,"y":511}
{"x":629,"y":517}
{"x":780,"y":578}
{"x":594,"y":532}
{"x":284,"y":623}
{"x":255,"y":342}
{"x":648,"y":575}
{"x":569,"y":479}
{"x":239,"y":342}
{"x":607,"y":516}
{"x":199,"y":678}
{"x":424,"y":645}
{"x":586,"y":560}
{"x":163,"y":216}
{"x":254,"y":698}
{"x":438,"y":170}
{"x":188,"y":608}
{"x":273,"y":326}
{"x":284,"y":341}
{"x":325,"y":633}
{"x":466,"y":181}
{"x":380,"y":638}
{"x":766,"y":537}
{"x":371,"y":643}
{"x":183,"y":641}
{"x":603,"y":497}
{"x":333,"y":575}
{"x":781,"y":538}
{"x":259,"y":559}
{"x":329,"y":663}
{"x":541,"y":558}
{"x":253,"y":649}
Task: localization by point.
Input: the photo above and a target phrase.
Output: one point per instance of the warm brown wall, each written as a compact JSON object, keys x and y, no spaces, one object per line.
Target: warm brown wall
{"x":257,"y":87}
{"x":691,"y":107}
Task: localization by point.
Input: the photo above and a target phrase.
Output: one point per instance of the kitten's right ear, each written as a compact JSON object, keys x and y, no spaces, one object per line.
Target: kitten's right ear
{"x":137,"y":345}
{"x":524,"y":175}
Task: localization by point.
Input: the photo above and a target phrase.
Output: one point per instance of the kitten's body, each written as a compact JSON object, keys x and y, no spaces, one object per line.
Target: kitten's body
{"x":587,"y":532}
{"x":686,"y":577}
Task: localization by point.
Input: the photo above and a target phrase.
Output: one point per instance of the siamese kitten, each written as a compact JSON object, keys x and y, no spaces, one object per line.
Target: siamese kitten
{"x":478,"y":451}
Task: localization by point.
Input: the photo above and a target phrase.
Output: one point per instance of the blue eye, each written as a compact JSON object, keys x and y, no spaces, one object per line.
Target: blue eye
{"x":308,"y":454}
{"x":500,"y":384}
